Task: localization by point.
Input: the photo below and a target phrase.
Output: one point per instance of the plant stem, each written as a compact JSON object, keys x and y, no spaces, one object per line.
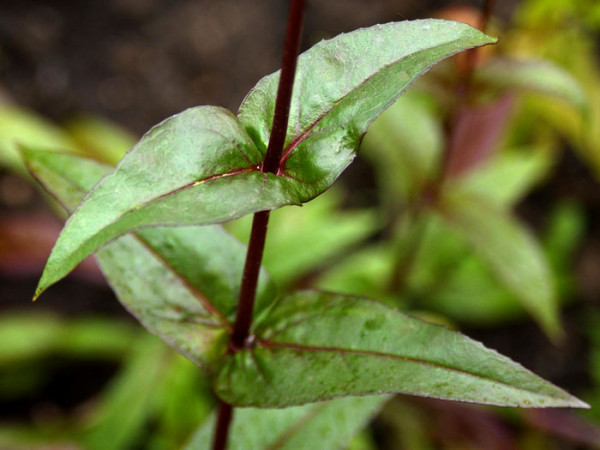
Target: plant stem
{"x":243,"y":319}
{"x":256,"y":246}
{"x":260,"y":222}
{"x":222,"y":427}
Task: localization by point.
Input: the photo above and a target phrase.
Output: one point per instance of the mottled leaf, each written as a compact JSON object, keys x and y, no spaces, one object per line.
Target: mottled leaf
{"x":203,"y":166}
{"x":327,"y":425}
{"x":317,"y":346}
{"x":181,"y":283}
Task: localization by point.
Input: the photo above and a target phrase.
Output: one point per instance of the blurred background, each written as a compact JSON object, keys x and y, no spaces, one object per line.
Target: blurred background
{"x":77,"y":371}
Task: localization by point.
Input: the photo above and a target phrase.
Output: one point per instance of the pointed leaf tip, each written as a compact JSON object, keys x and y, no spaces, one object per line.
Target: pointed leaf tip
{"x":199,"y":167}
{"x":348,"y":346}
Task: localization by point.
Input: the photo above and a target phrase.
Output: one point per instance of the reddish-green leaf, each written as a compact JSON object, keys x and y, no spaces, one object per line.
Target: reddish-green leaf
{"x":317,"y":346}
{"x":181,"y":283}
{"x":203,"y":166}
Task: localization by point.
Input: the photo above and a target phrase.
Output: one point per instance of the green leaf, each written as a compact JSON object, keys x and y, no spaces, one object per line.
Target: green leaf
{"x":509,"y":176}
{"x":34,"y":336}
{"x":203,"y":166}
{"x":21,"y":126}
{"x":181,"y":283}
{"x":317,"y":346}
{"x":305,"y":239}
{"x":404,"y":145}
{"x":120,"y":418}
{"x":100,"y":137}
{"x":530,"y":75}
{"x":511,"y":252}
{"x":327,"y":425}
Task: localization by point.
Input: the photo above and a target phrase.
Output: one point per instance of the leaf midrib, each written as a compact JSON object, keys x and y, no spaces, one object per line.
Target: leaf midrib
{"x":305,"y":134}
{"x":316,"y":349}
{"x":195,"y":292}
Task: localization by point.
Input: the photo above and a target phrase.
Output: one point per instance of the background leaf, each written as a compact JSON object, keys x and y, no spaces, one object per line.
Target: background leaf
{"x":203,"y":166}
{"x":327,"y":425}
{"x":511,"y":252}
{"x":530,"y":75}
{"x":318,"y":346}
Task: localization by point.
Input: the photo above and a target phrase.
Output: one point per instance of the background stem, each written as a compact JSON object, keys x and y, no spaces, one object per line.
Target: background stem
{"x":260,"y":222}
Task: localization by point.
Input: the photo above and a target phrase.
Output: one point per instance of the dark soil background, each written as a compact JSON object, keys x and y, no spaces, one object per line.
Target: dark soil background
{"x":138,"y":61}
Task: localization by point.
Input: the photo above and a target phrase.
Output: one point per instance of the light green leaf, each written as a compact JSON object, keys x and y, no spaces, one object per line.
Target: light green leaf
{"x":537,"y":76}
{"x":317,"y":346}
{"x":101,"y":138}
{"x":327,"y":425}
{"x":509,"y":176}
{"x":19,"y":126}
{"x":510,"y":251}
{"x":203,"y":166}
{"x":124,"y":409}
{"x":404,"y":145}
{"x":305,"y":239}
{"x":181,"y":283}
{"x":33,"y":336}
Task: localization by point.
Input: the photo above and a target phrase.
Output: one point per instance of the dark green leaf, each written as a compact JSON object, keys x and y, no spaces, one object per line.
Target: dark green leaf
{"x":317,"y":346}
{"x":203,"y":166}
{"x":327,"y":425}
{"x":163,"y":275}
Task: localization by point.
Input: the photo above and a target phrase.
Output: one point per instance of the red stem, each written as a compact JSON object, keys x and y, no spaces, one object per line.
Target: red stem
{"x":222,"y":428}
{"x":243,"y":320}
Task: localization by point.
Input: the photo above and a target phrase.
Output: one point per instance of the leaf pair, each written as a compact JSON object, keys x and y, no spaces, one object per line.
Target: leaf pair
{"x":203,"y":166}
{"x":308,"y":346}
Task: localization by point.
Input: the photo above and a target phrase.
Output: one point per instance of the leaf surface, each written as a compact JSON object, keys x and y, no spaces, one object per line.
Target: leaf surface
{"x":327,"y":425}
{"x":317,"y":346}
{"x":203,"y":166}
{"x":510,"y":251}
{"x":181,"y":283}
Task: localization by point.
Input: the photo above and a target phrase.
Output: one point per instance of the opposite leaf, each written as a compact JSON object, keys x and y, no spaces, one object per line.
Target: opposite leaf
{"x":181,"y":283}
{"x":318,"y":346}
{"x":203,"y":166}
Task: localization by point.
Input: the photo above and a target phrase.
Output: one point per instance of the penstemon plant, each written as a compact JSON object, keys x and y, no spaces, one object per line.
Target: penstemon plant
{"x":153,"y":223}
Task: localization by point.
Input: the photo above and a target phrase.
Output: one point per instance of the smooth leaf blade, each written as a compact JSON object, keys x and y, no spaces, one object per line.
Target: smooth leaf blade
{"x":163,"y":275}
{"x":327,"y":425}
{"x":317,"y":346}
{"x":510,"y":251}
{"x":203,"y":166}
